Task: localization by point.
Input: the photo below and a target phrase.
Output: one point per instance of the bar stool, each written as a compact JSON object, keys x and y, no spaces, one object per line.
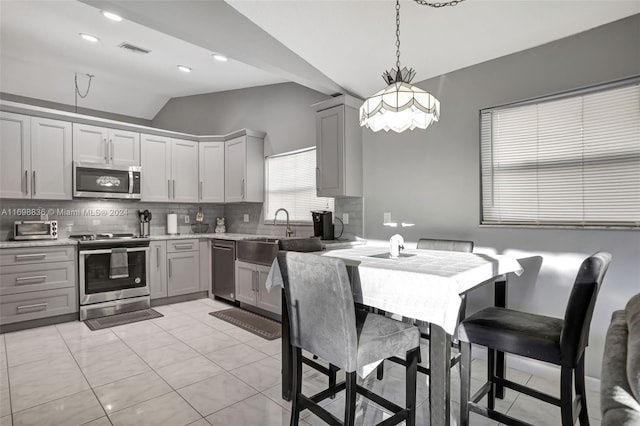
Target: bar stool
{"x":557,"y":341}
{"x":306,"y":245}
{"x":324,"y":321}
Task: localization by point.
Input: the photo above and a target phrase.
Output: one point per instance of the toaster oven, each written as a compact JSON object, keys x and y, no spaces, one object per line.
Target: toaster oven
{"x":35,"y":230}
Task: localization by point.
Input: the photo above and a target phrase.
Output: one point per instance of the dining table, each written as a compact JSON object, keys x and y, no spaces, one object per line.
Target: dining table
{"x":426,"y":285}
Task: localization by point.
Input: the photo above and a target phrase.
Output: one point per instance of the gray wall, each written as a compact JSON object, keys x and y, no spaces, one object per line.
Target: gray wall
{"x":438,"y":172}
{"x":283,"y":111}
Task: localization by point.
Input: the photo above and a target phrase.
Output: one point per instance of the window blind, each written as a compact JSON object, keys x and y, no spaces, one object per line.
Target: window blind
{"x":291,"y":184}
{"x":571,"y":160}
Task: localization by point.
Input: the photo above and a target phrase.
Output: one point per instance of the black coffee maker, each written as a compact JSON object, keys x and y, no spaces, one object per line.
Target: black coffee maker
{"x":322,"y":224}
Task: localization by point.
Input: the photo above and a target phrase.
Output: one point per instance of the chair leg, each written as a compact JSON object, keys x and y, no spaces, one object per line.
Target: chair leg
{"x":380,"y":371}
{"x":297,"y":386}
{"x":581,"y":392}
{"x":465,"y":382}
{"x":410,"y":391}
{"x":491,"y":374}
{"x":350,"y":399}
{"x":332,"y":377}
{"x":566,"y":396}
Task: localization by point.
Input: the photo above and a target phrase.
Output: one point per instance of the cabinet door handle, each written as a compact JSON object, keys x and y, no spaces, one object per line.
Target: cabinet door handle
{"x":254,"y":279}
{"x":173,"y":186}
{"x":158,"y":256}
{"x":200,"y":195}
{"x":26,"y":182}
{"x":30,"y":256}
{"x":111,"y":150}
{"x":37,"y":305}
{"x":317,"y":178}
{"x":170,"y":268}
{"x":33,"y":184}
{"x":21,"y":280}
{"x":106,"y":151}
{"x":242,"y":187}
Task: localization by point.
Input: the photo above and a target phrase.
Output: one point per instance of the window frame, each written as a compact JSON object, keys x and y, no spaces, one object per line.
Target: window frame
{"x":609,"y":225}
{"x":281,"y":219}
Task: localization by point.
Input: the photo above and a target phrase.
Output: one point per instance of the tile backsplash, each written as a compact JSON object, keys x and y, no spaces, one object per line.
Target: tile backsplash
{"x":80,"y":216}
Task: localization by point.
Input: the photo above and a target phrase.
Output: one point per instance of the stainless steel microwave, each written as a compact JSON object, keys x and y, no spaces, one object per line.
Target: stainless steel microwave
{"x":91,"y":180}
{"x":35,"y":230}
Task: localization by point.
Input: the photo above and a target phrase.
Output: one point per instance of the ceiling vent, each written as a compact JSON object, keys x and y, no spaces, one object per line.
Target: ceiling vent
{"x":133,"y":48}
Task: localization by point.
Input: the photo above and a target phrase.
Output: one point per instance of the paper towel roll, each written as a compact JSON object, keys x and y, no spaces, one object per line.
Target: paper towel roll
{"x":172,"y":224}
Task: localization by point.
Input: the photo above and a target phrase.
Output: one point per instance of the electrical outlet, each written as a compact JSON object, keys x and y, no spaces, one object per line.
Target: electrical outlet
{"x":95,"y":222}
{"x":246,"y":217}
{"x":345,"y":218}
{"x":387,"y":218}
{"x":186,"y":218}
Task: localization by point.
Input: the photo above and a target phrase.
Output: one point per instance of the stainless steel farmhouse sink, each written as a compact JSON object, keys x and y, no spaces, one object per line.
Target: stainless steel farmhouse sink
{"x":260,"y":250}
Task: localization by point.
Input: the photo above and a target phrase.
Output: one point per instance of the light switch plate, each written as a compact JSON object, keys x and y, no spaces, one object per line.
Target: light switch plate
{"x":387,"y":218}
{"x":246,"y":217}
{"x":345,"y":218}
{"x":186,"y":218}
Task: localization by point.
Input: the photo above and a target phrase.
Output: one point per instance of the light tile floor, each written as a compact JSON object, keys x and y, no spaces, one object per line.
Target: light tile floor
{"x":189,"y":368}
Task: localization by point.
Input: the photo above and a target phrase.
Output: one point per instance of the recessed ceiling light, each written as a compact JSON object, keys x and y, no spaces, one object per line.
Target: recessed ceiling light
{"x":184,"y":68}
{"x":220,"y":58}
{"x":90,"y":37}
{"x":112,"y":16}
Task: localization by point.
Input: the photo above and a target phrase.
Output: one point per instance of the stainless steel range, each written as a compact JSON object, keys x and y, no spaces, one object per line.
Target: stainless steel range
{"x":114,"y":274}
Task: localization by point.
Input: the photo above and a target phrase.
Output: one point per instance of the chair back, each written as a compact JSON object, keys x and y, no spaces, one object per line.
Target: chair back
{"x":445,"y":245}
{"x":577,"y":317}
{"x":319,"y":300}
{"x":303,"y":245}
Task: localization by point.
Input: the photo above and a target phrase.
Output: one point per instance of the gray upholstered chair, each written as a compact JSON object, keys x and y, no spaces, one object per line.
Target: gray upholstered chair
{"x":444,"y":245}
{"x":557,"y":341}
{"x":323,"y":320}
{"x":307,"y":245}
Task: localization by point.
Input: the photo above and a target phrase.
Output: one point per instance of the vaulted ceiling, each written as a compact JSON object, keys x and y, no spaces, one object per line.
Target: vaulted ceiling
{"x":332,"y":46}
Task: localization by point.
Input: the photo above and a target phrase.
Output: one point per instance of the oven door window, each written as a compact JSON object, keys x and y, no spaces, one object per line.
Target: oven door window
{"x":102,"y":180}
{"x":99,"y":277}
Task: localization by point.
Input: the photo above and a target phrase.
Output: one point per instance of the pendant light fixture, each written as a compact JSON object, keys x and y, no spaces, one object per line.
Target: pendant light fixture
{"x":401,"y":106}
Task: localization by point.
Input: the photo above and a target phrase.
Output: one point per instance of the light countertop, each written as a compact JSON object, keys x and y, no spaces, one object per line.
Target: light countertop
{"x":331,"y":244}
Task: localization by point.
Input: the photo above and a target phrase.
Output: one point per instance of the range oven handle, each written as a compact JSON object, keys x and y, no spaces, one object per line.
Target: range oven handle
{"x":109,"y":251}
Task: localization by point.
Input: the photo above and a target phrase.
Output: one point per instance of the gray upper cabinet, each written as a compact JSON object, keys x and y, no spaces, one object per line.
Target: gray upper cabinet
{"x":170,"y":169}
{"x":156,"y":163}
{"x":184,"y":170}
{"x":244,"y":169}
{"x":93,"y":144}
{"x":35,"y":158}
{"x":211,"y":170}
{"x":338,"y":149}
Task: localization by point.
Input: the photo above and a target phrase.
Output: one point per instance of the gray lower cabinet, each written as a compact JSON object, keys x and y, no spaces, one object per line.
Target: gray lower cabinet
{"x":183,"y":267}
{"x":251,"y":289}
{"x":158,"y":269}
{"x":37,"y":282}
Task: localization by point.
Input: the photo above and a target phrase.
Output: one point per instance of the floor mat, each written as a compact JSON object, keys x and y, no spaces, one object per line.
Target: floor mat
{"x":121,"y":319}
{"x":254,"y":323}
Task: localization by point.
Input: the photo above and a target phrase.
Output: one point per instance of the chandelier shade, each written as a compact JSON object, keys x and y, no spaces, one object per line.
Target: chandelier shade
{"x":398,"y":107}
{"x":401,"y":106}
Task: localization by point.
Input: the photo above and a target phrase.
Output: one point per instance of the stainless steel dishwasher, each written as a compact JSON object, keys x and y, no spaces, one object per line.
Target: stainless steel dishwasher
{"x":223,"y":279}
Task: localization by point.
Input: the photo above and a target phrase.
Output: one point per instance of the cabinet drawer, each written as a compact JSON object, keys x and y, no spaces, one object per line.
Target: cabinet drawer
{"x":174,"y":246}
{"x":36,"y":277}
{"x":38,"y":304}
{"x":28,"y":255}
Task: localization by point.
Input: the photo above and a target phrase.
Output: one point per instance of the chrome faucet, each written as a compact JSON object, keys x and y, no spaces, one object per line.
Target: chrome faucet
{"x":288,"y":231}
